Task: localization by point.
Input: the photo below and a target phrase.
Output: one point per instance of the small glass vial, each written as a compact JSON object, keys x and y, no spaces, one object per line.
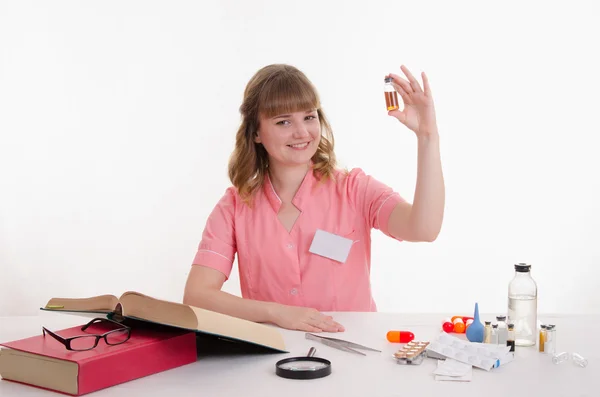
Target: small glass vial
{"x":522,"y":305}
{"x":487,"y":332}
{"x":542,"y":338}
{"x":550,"y":340}
{"x":502,"y":330}
{"x":510,"y":337}
{"x":391,"y":96}
{"x":494,"y":340}
{"x":560,"y":357}
{"x":579,"y":360}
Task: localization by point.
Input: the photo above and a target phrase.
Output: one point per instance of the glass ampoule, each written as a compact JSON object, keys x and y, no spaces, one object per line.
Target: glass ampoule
{"x":560,"y":357}
{"x":487,"y":332}
{"x":579,"y":360}
{"x":542,"y":338}
{"x":494,"y":339}
{"x":510,"y":337}
{"x":550,"y":341}
{"x":391,"y":96}
{"x":502,"y":330}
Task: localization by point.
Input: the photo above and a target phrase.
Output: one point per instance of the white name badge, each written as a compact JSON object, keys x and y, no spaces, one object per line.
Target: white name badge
{"x":331,"y":246}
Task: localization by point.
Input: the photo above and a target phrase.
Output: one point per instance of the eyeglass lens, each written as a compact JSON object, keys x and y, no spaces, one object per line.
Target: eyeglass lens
{"x":87,"y":342}
{"x":116,"y":337}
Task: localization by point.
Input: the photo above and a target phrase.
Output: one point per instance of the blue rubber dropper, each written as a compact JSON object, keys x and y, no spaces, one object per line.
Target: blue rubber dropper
{"x":475,"y":331}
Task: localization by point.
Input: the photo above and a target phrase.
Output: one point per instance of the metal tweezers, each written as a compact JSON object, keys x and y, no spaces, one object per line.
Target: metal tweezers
{"x":340,"y":344}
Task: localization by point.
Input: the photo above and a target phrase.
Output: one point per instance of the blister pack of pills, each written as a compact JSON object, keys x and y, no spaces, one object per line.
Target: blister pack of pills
{"x":412,"y":353}
{"x":481,"y":355}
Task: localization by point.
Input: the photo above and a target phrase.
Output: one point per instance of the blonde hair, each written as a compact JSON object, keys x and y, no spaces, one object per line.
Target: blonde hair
{"x":273,"y":90}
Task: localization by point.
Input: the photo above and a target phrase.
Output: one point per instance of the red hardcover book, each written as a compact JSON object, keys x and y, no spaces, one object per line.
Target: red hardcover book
{"x":44,"y":362}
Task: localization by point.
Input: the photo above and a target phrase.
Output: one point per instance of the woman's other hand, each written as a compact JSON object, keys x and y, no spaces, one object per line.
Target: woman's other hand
{"x":303,"y":319}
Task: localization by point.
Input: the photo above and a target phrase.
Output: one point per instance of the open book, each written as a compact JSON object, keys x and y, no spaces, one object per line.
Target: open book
{"x":136,"y":306}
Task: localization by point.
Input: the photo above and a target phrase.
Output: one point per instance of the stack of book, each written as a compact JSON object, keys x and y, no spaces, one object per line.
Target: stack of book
{"x":148,"y":336}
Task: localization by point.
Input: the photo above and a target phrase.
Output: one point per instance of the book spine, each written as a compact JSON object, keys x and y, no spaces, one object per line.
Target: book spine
{"x":105,"y":371}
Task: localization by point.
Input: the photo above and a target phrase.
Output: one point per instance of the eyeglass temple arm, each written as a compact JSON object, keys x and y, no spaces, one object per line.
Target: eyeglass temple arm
{"x":90,"y":323}
{"x":98,"y":319}
{"x":52,"y":334}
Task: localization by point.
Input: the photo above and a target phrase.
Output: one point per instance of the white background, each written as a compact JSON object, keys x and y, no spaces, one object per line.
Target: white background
{"x":117,"y":119}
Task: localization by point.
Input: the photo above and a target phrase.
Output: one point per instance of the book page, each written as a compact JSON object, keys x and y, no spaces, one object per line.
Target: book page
{"x":98,"y":304}
{"x":175,"y":314}
{"x":134,"y":304}
{"x":39,"y":370}
{"x":233,"y":327}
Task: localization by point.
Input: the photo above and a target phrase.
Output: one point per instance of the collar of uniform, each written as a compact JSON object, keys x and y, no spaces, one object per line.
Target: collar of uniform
{"x":298,"y":199}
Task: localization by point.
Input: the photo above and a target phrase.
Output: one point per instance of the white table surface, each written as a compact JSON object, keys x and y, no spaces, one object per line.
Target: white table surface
{"x":377,"y":374}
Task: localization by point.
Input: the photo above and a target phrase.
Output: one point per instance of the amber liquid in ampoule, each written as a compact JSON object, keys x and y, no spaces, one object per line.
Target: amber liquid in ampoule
{"x":391,"y":100}
{"x":511,"y":343}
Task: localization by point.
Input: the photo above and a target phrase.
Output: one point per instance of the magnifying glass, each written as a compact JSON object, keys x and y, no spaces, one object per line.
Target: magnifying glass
{"x":308,"y":367}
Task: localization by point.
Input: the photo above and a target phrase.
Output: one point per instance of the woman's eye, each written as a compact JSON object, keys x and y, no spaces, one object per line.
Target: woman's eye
{"x":282,"y":122}
{"x":310,"y":117}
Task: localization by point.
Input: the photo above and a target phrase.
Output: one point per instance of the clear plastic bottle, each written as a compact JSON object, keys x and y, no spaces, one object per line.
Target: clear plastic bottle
{"x":522,"y":305}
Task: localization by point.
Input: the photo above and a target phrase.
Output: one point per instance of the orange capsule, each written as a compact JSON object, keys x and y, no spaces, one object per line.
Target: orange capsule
{"x":459,"y":326}
{"x":400,"y":336}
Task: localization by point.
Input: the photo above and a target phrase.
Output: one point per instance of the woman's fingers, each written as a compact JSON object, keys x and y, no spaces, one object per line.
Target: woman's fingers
{"x":338,"y":326}
{"x":329,"y":327}
{"x":309,"y":328}
{"x":328,"y":324}
{"x":426,"y":86}
{"x":403,"y":88}
{"x":316,"y":321}
{"x":400,"y":115}
{"x":403,"y":93}
{"x":401,"y":82}
{"x":311,"y":325}
{"x":413,"y":82}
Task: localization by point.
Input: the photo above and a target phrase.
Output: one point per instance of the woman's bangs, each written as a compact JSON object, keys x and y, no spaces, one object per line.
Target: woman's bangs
{"x":287,"y":96}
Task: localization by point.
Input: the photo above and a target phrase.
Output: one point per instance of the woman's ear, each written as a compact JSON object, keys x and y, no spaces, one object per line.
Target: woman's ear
{"x":257,"y":137}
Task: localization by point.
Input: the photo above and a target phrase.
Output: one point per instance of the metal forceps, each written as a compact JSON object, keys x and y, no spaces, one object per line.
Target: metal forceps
{"x":340,"y":344}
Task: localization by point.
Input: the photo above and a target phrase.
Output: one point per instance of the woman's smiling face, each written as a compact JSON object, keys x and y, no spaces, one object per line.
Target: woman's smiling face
{"x":290,"y":139}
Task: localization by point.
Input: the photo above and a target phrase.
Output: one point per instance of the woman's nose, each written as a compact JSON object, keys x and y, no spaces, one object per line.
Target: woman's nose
{"x":301,"y":131}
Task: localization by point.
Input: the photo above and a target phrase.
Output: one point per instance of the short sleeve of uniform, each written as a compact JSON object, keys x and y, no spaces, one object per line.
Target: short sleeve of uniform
{"x":217,"y":247}
{"x":373,"y":198}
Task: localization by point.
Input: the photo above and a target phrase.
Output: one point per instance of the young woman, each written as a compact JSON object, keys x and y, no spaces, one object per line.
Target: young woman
{"x":300,"y":226}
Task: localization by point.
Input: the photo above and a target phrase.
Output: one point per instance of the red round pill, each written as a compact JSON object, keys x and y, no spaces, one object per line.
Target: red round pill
{"x":400,"y":336}
{"x":448,"y":326}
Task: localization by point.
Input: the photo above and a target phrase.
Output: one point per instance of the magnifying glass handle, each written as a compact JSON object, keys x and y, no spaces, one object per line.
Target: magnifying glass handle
{"x":311,"y":352}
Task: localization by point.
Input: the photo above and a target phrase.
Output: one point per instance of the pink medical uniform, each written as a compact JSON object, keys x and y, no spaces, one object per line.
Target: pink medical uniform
{"x":276,"y":266}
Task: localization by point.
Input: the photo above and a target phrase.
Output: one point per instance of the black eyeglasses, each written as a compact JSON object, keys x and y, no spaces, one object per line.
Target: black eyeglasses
{"x":88,"y":342}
